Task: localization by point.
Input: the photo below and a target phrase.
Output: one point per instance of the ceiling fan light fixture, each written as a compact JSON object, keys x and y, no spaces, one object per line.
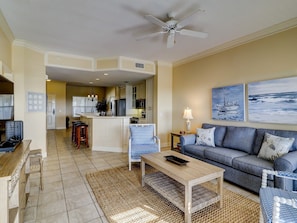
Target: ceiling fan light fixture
{"x":187,"y":32}
{"x":173,"y":26}
{"x":171,"y":39}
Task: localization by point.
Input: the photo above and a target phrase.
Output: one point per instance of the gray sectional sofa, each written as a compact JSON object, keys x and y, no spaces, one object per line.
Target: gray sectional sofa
{"x":236,"y":150}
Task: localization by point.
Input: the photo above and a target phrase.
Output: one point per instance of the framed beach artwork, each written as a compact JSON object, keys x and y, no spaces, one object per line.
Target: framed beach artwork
{"x":273,"y":101}
{"x":228,"y":103}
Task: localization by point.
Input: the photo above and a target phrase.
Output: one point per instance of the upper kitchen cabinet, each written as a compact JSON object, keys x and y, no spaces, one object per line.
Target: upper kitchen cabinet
{"x":120,"y":92}
{"x":140,"y":90}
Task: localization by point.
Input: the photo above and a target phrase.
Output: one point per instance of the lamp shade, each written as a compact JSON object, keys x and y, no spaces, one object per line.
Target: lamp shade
{"x":188,"y":113}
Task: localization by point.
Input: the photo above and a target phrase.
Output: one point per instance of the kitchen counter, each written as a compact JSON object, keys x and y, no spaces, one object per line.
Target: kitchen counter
{"x":14,"y":183}
{"x":107,"y":133}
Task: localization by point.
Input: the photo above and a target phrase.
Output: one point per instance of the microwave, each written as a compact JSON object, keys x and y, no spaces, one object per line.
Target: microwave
{"x":140,"y":103}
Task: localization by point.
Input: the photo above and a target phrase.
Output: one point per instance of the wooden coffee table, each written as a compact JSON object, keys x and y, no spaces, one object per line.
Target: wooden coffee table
{"x":180,"y":184}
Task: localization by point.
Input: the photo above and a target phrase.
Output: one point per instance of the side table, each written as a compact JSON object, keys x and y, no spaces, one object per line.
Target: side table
{"x":174,"y":146}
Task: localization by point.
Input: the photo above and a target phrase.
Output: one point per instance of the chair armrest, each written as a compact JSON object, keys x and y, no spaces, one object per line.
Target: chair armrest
{"x":280,"y":174}
{"x":287,"y":162}
{"x":157,"y":139}
{"x":287,"y":175}
{"x":187,"y":139}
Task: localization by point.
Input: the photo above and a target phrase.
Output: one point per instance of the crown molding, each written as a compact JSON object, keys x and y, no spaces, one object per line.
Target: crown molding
{"x":23,"y":43}
{"x":289,"y":24}
{"x":163,"y":63}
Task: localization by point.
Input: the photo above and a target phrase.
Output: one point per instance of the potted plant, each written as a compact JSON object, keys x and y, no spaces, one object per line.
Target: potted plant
{"x":101,"y":107}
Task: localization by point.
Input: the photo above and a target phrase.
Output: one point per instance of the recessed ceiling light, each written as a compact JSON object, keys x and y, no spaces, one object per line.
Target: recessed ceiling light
{"x":91,"y":82}
{"x":105,"y":74}
{"x":97,"y":79}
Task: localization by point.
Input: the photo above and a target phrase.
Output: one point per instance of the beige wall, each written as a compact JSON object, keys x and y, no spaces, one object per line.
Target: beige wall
{"x":58,"y":90}
{"x":28,"y":71}
{"x":29,"y":75}
{"x":163,"y":101}
{"x":268,"y":58}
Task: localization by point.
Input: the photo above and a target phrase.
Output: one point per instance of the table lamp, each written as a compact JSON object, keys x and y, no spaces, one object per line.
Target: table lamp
{"x":188,"y":115}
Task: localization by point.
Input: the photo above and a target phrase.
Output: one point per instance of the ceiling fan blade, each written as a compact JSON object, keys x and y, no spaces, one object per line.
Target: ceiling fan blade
{"x":187,"y":32}
{"x":171,"y":39}
{"x":184,"y":21}
{"x":149,"y":35}
{"x":156,"y":21}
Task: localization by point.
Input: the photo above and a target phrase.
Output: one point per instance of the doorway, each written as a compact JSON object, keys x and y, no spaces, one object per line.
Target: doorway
{"x":51,"y":112}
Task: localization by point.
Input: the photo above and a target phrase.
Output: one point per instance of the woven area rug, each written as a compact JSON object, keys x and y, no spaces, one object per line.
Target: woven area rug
{"x":122,"y":198}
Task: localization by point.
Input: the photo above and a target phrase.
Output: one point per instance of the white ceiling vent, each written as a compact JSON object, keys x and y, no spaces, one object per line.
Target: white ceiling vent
{"x":136,"y":65}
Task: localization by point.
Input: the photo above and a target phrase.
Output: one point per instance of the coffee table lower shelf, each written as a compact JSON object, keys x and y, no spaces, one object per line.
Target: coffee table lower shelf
{"x":174,"y":192}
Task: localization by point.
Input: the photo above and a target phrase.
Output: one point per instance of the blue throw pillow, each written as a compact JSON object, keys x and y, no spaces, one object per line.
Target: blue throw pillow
{"x":142,"y":134}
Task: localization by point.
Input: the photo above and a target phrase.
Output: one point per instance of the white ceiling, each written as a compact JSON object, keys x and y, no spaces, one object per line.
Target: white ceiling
{"x":109,"y":28}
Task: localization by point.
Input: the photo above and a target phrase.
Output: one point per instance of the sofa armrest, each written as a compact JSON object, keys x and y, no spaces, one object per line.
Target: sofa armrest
{"x":287,"y":162}
{"x":187,"y":139}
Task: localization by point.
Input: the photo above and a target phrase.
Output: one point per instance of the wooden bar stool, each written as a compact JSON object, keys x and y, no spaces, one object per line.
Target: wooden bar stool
{"x":73,"y":133}
{"x":36,"y":164}
{"x":82,"y":134}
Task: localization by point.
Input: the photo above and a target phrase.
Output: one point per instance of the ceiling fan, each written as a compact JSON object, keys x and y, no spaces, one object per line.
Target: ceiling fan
{"x":173,"y":26}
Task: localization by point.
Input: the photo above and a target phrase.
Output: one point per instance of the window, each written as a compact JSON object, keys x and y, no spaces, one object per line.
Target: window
{"x":6,"y":107}
{"x":83,"y":105}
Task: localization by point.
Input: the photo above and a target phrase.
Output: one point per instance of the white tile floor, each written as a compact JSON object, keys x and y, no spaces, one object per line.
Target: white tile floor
{"x":67,"y":197}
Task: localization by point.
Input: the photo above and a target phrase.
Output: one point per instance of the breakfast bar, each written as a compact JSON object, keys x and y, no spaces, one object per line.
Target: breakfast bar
{"x":107,"y":133}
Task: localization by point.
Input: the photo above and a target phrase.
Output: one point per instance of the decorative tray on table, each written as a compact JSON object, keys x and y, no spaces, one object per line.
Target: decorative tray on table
{"x":176,"y":160}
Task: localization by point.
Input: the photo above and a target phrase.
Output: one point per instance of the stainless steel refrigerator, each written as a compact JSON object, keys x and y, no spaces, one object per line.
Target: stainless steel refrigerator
{"x":120,"y":107}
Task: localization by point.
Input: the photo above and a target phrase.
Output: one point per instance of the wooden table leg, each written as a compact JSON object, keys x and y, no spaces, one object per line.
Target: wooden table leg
{"x":142,"y":172}
{"x":172,"y":142}
{"x":188,"y":203}
{"x":220,"y":190}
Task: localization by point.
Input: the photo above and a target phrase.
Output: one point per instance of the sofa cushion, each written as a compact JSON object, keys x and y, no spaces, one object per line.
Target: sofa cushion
{"x":251,"y":164}
{"x":274,"y":146}
{"x":143,"y":149}
{"x":223,"y":155}
{"x":195,"y":150}
{"x":282,"y":133}
{"x":240,"y":138}
{"x":205,"y":137}
{"x":219,"y":133}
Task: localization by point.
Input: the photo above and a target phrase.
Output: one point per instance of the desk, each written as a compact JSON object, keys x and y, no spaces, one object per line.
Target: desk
{"x":14,"y":183}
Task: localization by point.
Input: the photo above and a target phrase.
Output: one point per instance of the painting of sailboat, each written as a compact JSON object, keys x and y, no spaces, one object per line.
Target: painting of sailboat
{"x":273,"y":101}
{"x":228,"y":103}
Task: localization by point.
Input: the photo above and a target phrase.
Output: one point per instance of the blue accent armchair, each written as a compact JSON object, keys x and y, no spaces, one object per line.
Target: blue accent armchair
{"x":277,"y":205}
{"x":142,"y":140}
